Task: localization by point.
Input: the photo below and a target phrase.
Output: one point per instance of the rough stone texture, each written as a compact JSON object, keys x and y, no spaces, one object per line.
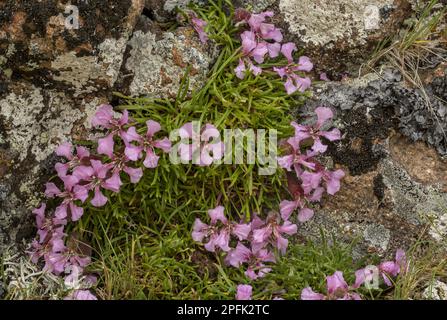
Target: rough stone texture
{"x":394,"y":186}
{"x":437,"y":290}
{"x":325,"y":22}
{"x":255,"y":5}
{"x":157,"y":61}
{"x":51,"y":80}
{"x":347,"y":29}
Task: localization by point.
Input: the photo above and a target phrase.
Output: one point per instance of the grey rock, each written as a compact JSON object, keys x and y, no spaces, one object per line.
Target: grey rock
{"x":381,"y":203}
{"x":55,"y":79}
{"x":436,"y":290}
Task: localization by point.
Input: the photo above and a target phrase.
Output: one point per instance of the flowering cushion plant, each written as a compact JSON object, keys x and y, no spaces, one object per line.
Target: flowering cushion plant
{"x":244,"y":220}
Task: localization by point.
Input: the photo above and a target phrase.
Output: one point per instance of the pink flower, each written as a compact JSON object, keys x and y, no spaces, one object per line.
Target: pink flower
{"x":146,"y":144}
{"x":51,"y":243}
{"x":104,"y":118}
{"x":273,"y":232}
{"x":256,"y":43}
{"x":264,"y":30}
{"x":337,"y":289}
{"x":72,"y":192}
{"x":244,"y":292}
{"x":202,"y":231}
{"x":387,"y":269}
{"x":65,"y":150}
{"x":96,"y":178}
{"x":119,"y":164}
{"x":296,"y":159}
{"x":288,"y":207}
{"x":312,"y":180}
{"x":314,"y":132}
{"x":58,"y":262}
{"x":309,"y":294}
{"x":48,"y":227}
{"x":324,"y":77}
{"x":80,"y":295}
{"x":241,"y":69}
{"x":294,"y":82}
{"x":254,"y":258}
{"x":204,"y":142}
{"x":219,"y":237}
{"x":199,"y":25}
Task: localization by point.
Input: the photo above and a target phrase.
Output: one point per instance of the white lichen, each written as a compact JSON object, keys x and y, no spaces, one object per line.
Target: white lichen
{"x":323,"y":22}
{"x":111,"y":53}
{"x":159,"y":65}
{"x":436,"y":290}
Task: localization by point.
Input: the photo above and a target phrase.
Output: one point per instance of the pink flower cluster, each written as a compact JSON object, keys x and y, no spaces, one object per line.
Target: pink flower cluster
{"x":338,"y":289}
{"x":84,"y":177}
{"x":200,"y":147}
{"x":263,"y":40}
{"x":312,"y":178}
{"x":253,"y":242}
{"x":387,"y":270}
{"x":199,"y":26}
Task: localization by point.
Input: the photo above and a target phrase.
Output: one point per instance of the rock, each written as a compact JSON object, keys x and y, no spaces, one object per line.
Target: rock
{"x":437,"y":290}
{"x":255,"y":5}
{"x":54,"y":76}
{"x":394,"y":187}
{"x":347,"y":29}
{"x":157,"y":61}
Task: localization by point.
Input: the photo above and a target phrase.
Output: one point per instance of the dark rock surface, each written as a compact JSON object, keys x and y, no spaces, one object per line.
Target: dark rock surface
{"x":394,"y":186}
{"x":51,"y":80}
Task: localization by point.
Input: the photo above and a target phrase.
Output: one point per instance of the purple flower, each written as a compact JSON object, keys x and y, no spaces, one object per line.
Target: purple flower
{"x":309,"y":294}
{"x":264,"y":30}
{"x":95,"y":177}
{"x":119,"y":164}
{"x":296,"y":159}
{"x":244,"y":65}
{"x":257,"y":43}
{"x":52,"y":244}
{"x":387,"y":269}
{"x":288,"y":207}
{"x":48,"y":227}
{"x":219,"y":237}
{"x":324,"y":77}
{"x":72,"y":192}
{"x":146,"y":144}
{"x":337,"y":289}
{"x":294,"y":82}
{"x":202,"y":144}
{"x":315,"y":133}
{"x":199,"y":25}
{"x":60,"y":261}
{"x":251,"y":49}
{"x":312,"y":180}
{"x":66,"y":150}
{"x":273,"y":232}
{"x":104,"y":118}
{"x":254,"y":258}
{"x":80,"y":295}
{"x":244,"y":292}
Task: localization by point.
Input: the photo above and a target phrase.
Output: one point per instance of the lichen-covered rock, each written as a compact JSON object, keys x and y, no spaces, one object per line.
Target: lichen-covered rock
{"x":341,"y":34}
{"x":394,"y":187}
{"x":157,"y":61}
{"x":436,"y":290}
{"x":52,"y":77}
